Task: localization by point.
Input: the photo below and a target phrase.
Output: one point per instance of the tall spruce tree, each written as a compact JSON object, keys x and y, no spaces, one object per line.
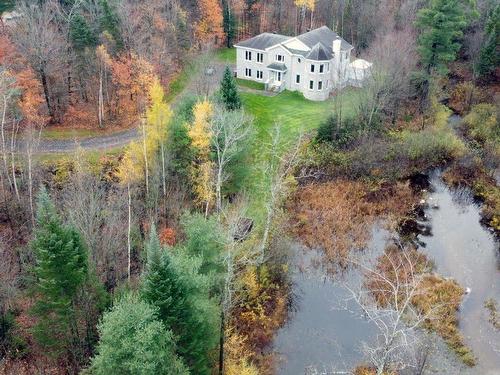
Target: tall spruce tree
{"x":172,"y":285}
{"x":229,"y":91}
{"x":134,"y":342}
{"x":60,"y":270}
{"x":489,"y":57}
{"x":228,"y":23}
{"x":111,"y":23}
{"x":441,"y":25}
{"x":81,"y":34}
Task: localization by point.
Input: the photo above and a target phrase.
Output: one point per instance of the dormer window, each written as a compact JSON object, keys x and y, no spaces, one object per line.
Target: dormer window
{"x":280,"y":58}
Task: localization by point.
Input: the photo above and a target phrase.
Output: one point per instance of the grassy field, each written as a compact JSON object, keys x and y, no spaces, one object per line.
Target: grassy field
{"x":295,"y":115}
{"x":250,"y":84}
{"x":226,"y":55}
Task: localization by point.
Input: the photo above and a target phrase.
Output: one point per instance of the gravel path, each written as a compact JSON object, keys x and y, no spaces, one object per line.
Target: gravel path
{"x":200,"y":84}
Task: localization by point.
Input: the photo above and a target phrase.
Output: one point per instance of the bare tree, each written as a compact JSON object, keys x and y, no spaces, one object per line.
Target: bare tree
{"x":229,"y":129}
{"x":284,"y":157}
{"x":394,"y":56}
{"x":386,"y":298}
{"x":40,"y":42}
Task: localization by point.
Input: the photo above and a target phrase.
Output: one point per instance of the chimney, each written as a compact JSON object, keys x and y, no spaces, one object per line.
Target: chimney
{"x":336,"y":59}
{"x":336,"y":49}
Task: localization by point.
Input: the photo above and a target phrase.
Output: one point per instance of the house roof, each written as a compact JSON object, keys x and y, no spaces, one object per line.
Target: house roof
{"x":319,"y":41}
{"x":324,"y":36}
{"x":278,"y":67}
{"x":319,"y":53}
{"x":263,"y":41}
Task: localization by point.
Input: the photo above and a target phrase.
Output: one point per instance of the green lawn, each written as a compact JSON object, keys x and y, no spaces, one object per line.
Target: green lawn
{"x":226,"y":55}
{"x":62,"y":134}
{"x":250,"y":84}
{"x":295,"y":115}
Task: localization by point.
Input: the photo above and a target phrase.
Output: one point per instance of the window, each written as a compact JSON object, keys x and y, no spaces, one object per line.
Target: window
{"x":321,"y":68}
{"x":312,"y":68}
{"x":297,"y":78}
{"x":248,"y":55}
{"x":320,"y":85}
{"x":300,"y":60}
{"x":248,"y":72}
{"x":260,"y":74}
{"x":278,"y":78}
{"x":260,"y":57}
{"x":311,"y":85}
{"x":280,"y":58}
{"x":327,"y":67}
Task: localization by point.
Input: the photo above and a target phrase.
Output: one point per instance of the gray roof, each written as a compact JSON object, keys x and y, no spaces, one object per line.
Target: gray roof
{"x":263,"y":41}
{"x":319,"y":53}
{"x":320,"y":42}
{"x":278,"y":67}
{"x":325,"y":36}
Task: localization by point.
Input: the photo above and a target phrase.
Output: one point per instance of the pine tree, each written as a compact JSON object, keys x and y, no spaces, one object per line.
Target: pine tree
{"x":134,"y":342}
{"x":81,"y":34}
{"x":441,"y":26}
{"x":229,"y":91}
{"x":489,"y":58}
{"x":228,"y":23}
{"x":60,"y":270}
{"x":110,"y":23}
{"x":172,"y":285}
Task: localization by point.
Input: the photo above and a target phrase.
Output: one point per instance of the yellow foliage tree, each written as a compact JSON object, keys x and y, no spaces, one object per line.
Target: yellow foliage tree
{"x":158,"y":116}
{"x":303,"y":6}
{"x":129,"y":171}
{"x":202,"y":171}
{"x":210,"y":25}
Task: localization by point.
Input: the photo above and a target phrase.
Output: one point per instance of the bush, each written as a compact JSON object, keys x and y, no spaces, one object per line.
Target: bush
{"x":482,"y":123}
{"x":340,"y":136}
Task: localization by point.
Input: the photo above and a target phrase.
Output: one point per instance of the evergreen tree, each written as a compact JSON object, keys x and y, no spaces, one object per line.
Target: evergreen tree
{"x":81,"y":34}
{"x":489,"y":58}
{"x":134,"y":342}
{"x":228,"y":23}
{"x":111,"y":23}
{"x":229,"y":91}
{"x":60,"y":270}
{"x":441,"y":26}
{"x":172,"y":285}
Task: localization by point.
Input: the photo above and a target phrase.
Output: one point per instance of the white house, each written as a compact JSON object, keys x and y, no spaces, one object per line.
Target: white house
{"x":313,"y":63}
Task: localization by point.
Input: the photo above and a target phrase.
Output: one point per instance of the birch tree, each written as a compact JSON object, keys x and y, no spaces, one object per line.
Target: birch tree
{"x":385,"y":295}
{"x":229,"y":129}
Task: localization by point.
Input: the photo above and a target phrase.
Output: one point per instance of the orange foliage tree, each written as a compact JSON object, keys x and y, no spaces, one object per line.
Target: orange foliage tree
{"x":132,"y":76}
{"x":209,"y":27}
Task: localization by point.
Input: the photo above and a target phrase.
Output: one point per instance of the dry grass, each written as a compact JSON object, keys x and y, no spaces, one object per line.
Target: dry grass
{"x":337,"y":216}
{"x":436,"y":298}
{"x":441,"y":299}
{"x":492,"y":306}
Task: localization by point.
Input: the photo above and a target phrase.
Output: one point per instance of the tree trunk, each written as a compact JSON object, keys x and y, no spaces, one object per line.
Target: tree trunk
{"x":46,"y":92}
{"x":129,"y":246}
{"x":13,"y":167}
{"x":4,"y":146}
{"x":146,"y":167}
{"x":221,"y":343}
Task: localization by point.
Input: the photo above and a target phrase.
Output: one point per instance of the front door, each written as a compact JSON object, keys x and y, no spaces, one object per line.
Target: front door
{"x":278,"y":76}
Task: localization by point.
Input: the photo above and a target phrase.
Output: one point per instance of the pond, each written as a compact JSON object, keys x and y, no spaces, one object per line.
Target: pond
{"x":321,"y":335}
{"x":466,"y":251}
{"x":321,"y":338}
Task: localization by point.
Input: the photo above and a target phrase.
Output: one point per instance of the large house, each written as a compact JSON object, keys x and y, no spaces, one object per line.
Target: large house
{"x":313,"y":63}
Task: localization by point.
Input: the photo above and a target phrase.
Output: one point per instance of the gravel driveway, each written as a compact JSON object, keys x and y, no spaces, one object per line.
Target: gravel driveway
{"x":200,"y":84}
